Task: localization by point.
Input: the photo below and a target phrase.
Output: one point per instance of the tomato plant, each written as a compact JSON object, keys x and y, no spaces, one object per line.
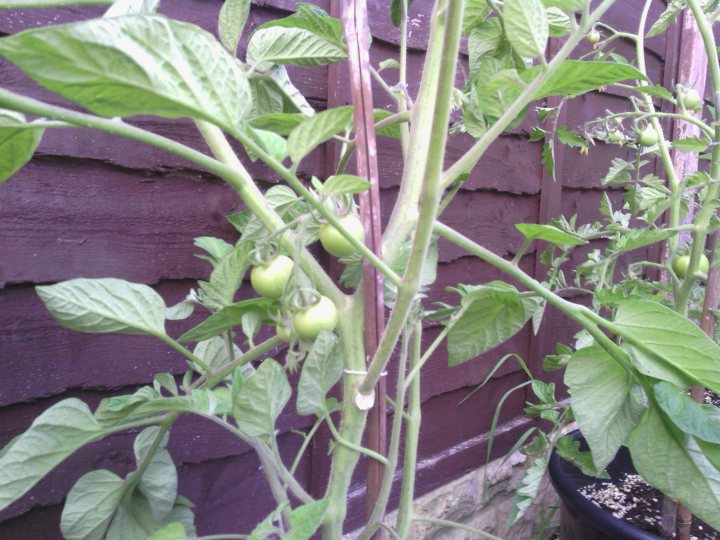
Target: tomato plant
{"x":244,"y":108}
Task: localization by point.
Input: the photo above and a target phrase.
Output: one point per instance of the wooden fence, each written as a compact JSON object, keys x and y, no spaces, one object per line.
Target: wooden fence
{"x":93,"y":205}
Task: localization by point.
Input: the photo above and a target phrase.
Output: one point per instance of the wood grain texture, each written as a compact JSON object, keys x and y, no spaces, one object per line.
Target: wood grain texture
{"x":95,"y":205}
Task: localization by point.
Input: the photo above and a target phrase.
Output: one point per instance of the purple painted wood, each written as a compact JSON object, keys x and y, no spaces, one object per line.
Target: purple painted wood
{"x":96,"y":205}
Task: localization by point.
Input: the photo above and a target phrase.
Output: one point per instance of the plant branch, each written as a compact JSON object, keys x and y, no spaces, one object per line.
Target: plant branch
{"x":355,"y":447}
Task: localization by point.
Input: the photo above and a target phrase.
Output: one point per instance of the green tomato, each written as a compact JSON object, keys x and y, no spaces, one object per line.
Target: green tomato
{"x":691,"y":99}
{"x":648,"y":137}
{"x":680,"y":265}
{"x":309,"y":322}
{"x":593,"y":37}
{"x":269,"y":279}
{"x":335,"y":243}
{"x":616,"y":137}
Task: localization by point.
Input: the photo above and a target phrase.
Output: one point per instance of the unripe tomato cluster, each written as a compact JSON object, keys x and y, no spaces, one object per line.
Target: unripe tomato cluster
{"x":270,"y":279}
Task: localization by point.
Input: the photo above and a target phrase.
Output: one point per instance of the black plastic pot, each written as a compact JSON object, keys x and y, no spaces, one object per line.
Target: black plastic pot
{"x":580,"y":518}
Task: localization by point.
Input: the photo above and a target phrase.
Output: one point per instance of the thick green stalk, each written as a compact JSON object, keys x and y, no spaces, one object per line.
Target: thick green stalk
{"x":378,"y":512}
{"x":412,"y":438}
{"x":353,"y":420}
{"x":451,"y":13}
{"x":405,"y":211}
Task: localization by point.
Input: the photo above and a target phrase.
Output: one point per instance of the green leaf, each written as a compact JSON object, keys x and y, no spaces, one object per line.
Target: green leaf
{"x":217,"y":248}
{"x":690,"y":144}
{"x":527,"y":491}
{"x":273,"y":92}
{"x":345,"y":183}
{"x":226,"y":318}
{"x":548,"y":233}
{"x":226,"y":278}
{"x":91,"y":505}
{"x":165,"y":381}
{"x":526,"y":27}
{"x":388,"y":63}
{"x":676,"y":465}
{"x":558,"y":22}
{"x":18,"y":142}
{"x":474,"y":14}
{"x":666,"y":345}
{"x":297,"y":46}
{"x":135,"y":520}
{"x":700,"y":421}
{"x":280,"y":123}
{"x":107,"y":66}
{"x":131,"y":7}
{"x":569,"y":449}
{"x":387,"y":131}
{"x":53,"y":436}
{"x":654,"y":90}
{"x":570,"y":138}
{"x":214,"y":352}
{"x":490,"y":314}
{"x":181,"y":310}
{"x":231,"y":22}
{"x":171,"y":531}
{"x":314,"y":19}
{"x":575,"y":77}
{"x":322,"y":368}
{"x":159,"y":481}
{"x":666,"y":18}
{"x":396,"y":11}
{"x":638,"y":238}
{"x":272,"y":143}
{"x":105,"y":305}
{"x":261,"y":400}
{"x":606,"y":403}
{"x":317,"y":129}
{"x":568,"y":6}
{"x":305,"y":520}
